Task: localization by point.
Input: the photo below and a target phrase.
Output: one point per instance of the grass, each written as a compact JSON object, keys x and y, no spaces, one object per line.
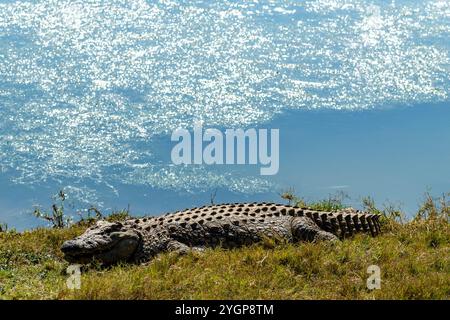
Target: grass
{"x":413,"y":257}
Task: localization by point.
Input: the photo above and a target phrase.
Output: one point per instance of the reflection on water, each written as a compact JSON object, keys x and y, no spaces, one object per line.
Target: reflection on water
{"x":88,"y":89}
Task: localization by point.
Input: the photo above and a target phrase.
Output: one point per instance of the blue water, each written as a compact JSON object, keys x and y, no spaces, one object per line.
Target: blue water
{"x":90,"y":92}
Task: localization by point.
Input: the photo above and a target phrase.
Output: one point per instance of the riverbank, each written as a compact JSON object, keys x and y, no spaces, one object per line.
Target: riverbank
{"x":412,"y":257}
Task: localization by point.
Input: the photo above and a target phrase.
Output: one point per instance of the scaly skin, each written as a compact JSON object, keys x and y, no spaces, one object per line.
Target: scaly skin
{"x":227,"y":225}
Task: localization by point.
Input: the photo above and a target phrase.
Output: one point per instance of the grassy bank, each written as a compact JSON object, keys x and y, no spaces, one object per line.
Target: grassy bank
{"x":413,"y":257}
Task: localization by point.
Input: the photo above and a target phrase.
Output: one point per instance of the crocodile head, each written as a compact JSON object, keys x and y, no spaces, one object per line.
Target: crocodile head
{"x":105,"y":242}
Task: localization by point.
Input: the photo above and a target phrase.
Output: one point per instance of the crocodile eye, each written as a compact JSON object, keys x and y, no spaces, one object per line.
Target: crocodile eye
{"x":112,"y":228}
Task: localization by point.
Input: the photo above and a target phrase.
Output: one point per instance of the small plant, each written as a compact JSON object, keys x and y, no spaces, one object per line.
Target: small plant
{"x":213,"y":197}
{"x":57,"y":217}
{"x":289,"y":195}
{"x":369,"y":205}
{"x":3,"y":227}
{"x":93,"y":214}
{"x":391,"y":214}
{"x":97,"y":213}
{"x":334,"y":202}
{"x":433,"y":208}
{"x":119,"y":216}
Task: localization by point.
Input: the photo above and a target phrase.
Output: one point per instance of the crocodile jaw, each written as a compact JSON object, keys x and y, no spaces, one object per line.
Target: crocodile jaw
{"x":121,"y":246}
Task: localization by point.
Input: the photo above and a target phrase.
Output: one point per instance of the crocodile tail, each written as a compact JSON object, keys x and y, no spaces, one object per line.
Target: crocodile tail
{"x":346,"y":223}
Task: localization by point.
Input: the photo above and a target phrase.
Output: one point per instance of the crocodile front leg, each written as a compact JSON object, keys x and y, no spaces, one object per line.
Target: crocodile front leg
{"x":305,"y":229}
{"x":181,"y":248}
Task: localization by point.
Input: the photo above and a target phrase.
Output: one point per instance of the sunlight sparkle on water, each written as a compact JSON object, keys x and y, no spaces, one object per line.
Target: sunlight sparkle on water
{"x":86,"y":85}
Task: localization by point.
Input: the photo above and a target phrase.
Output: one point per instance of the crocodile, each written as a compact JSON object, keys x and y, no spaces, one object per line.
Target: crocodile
{"x":138,"y":240}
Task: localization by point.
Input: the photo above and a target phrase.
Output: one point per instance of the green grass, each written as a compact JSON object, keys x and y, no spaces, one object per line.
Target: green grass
{"x":413,"y":256}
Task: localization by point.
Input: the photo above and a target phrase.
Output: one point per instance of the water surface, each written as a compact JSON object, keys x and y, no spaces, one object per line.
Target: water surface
{"x":90,"y":92}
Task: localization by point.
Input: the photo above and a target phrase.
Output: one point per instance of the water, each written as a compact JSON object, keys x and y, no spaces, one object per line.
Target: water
{"x":90,"y":92}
